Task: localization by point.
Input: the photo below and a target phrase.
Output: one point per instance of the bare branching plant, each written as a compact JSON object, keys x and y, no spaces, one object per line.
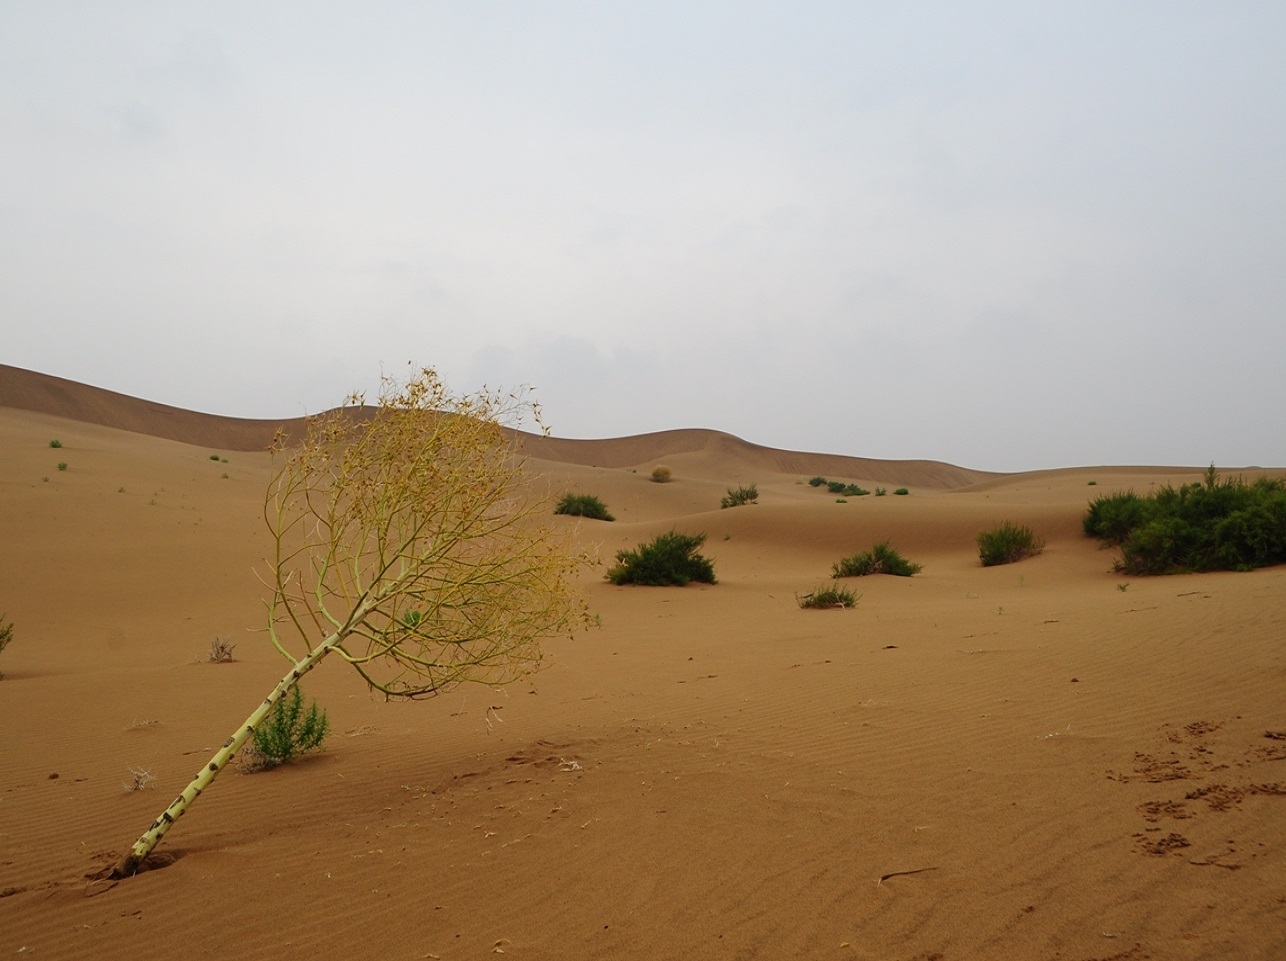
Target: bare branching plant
{"x":221,"y":649}
{"x":140,"y":779}
{"x":409,"y":542}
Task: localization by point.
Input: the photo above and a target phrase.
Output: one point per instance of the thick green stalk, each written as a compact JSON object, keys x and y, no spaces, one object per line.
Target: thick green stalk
{"x":129,"y":865}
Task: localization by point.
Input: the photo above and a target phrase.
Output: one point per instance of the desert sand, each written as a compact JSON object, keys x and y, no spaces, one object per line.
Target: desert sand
{"x":1038,"y":761}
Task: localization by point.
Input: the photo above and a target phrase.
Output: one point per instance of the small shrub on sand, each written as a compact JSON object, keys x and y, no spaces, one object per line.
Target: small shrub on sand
{"x":661,"y":474}
{"x":742,"y":495}
{"x":583,"y":505}
{"x":901,"y":492}
{"x":214,"y":457}
{"x":287,"y":732}
{"x":62,"y":465}
{"x":221,"y":649}
{"x":827,"y":598}
{"x":1007,"y":543}
{"x":669,"y":559}
{"x":140,"y":779}
{"x":880,"y":559}
{"x":55,"y":443}
{"x":835,"y":487}
{"x":817,"y":481}
{"x":6,"y":635}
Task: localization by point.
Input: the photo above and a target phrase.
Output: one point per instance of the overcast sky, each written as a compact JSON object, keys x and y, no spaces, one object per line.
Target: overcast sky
{"x":1006,"y":235}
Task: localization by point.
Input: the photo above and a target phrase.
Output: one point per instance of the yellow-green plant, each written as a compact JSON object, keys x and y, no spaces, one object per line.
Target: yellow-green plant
{"x":409,"y":542}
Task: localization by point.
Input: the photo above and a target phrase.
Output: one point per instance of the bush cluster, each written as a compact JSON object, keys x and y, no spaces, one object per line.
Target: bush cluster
{"x":1204,"y":526}
{"x":669,"y":559}
{"x":661,"y":474}
{"x":742,"y":495}
{"x":583,"y":505}
{"x":1007,"y":543}
{"x":880,"y":559}
{"x":289,"y":731}
{"x":846,"y":489}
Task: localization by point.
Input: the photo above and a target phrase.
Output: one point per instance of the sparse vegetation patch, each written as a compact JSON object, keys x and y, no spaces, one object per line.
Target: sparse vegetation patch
{"x":661,"y":474}
{"x":739,"y":496}
{"x":221,"y":649}
{"x":827,"y":598}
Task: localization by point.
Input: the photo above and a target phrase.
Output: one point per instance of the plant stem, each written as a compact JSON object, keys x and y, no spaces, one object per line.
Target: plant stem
{"x":130,"y":864}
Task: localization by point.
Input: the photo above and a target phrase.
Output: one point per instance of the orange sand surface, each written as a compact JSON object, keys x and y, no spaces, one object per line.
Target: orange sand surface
{"x":1035,"y":761}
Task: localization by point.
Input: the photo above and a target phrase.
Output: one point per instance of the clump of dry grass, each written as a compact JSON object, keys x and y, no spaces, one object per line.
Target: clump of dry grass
{"x":221,"y":649}
{"x":140,"y":779}
{"x":661,"y":474}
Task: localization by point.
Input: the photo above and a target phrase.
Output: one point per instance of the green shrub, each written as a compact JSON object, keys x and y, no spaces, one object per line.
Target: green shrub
{"x":1006,"y":544}
{"x":62,"y":465}
{"x":289,"y":731}
{"x":901,"y":492}
{"x":827,"y":598}
{"x":853,"y":490}
{"x":1112,"y":517}
{"x":214,"y":457}
{"x":880,"y":491}
{"x":818,"y":481}
{"x":836,"y":487}
{"x":669,"y":559}
{"x":661,"y":474}
{"x":583,"y":505}
{"x":742,"y":495}
{"x":880,"y":559}
{"x":1210,"y":525}
{"x":55,"y":443}
{"x":6,"y":635}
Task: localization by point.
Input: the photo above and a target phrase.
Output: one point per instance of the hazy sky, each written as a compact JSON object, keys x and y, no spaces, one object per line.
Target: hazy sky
{"x":1005,"y":235}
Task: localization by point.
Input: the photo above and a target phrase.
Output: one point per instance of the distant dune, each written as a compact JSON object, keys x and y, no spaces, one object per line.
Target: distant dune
{"x":43,"y":393}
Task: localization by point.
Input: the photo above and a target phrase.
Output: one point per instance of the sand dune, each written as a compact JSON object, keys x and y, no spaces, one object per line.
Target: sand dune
{"x":1038,"y":761}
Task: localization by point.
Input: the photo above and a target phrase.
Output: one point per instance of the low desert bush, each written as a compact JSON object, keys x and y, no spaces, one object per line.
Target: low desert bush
{"x":6,"y":635}
{"x":827,"y":598}
{"x":880,"y":559}
{"x":62,"y":465}
{"x":881,"y":491}
{"x":1211,"y":525}
{"x":742,"y":495}
{"x":1007,"y":543}
{"x":583,"y":505}
{"x":669,"y":559}
{"x":839,"y":487}
{"x":214,"y":457}
{"x":221,"y":649}
{"x":661,"y":474}
{"x":55,"y":443}
{"x":286,"y":733}
{"x":901,"y":492}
